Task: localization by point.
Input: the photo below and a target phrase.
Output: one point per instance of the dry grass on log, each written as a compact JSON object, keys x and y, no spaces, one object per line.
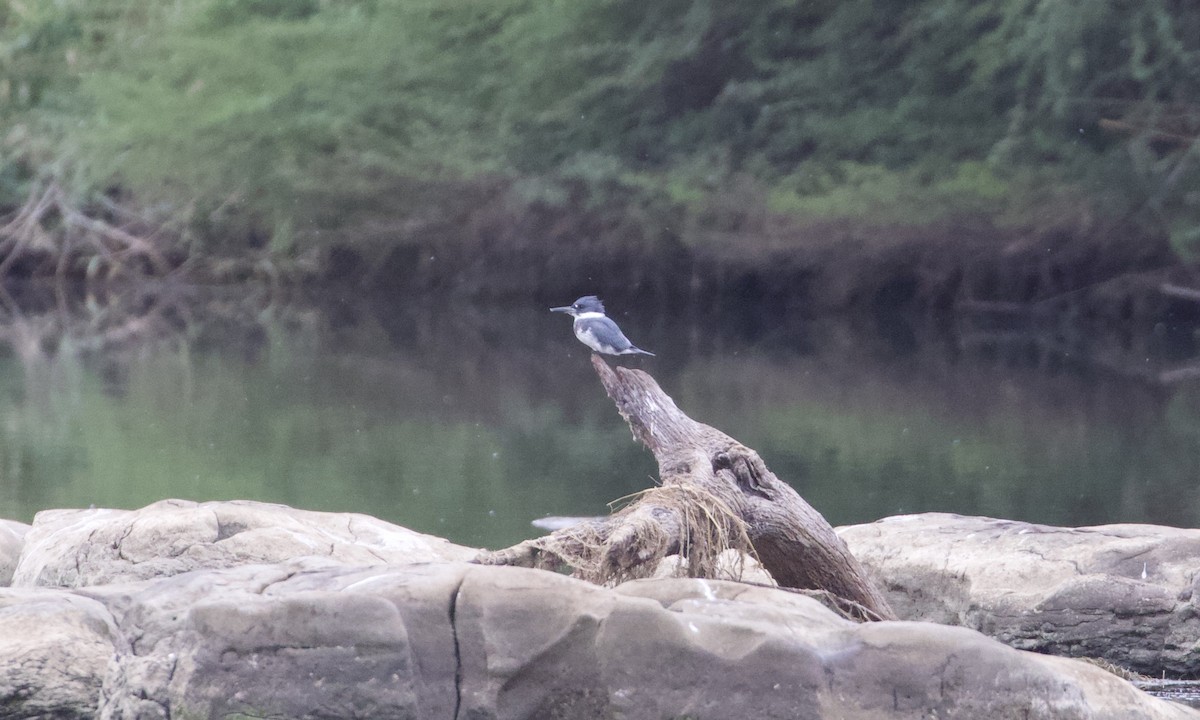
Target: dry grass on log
{"x":631,"y":543}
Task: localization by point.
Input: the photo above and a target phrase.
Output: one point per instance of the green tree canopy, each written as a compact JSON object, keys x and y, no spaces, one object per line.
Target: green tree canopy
{"x":301,"y":113}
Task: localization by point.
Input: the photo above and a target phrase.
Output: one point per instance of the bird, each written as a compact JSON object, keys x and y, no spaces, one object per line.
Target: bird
{"x":597,"y":330}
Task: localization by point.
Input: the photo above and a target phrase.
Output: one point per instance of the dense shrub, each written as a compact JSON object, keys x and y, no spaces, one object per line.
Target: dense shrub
{"x":298,"y":115}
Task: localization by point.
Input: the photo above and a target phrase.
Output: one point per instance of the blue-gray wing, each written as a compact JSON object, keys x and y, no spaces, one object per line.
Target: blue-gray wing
{"x":607,"y":331}
{"x":601,"y":335}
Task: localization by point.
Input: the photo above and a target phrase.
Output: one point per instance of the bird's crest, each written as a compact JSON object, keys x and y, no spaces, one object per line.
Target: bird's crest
{"x":590,"y":303}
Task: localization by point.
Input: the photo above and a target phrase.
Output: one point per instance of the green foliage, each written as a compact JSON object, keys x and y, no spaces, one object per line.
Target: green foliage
{"x":30,"y":38}
{"x":228,"y":13}
{"x":312,"y":117}
{"x":905,"y":196}
{"x":315,"y":114}
{"x":33,"y":38}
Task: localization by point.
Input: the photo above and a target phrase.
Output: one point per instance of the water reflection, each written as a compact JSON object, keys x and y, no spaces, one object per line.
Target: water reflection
{"x":469,"y":421}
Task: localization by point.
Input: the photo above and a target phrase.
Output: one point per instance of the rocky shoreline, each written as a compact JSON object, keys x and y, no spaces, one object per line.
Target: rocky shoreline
{"x":186,"y":610}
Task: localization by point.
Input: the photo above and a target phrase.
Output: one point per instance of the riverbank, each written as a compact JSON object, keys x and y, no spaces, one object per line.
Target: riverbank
{"x":1100,"y":270}
{"x":1105,"y":270}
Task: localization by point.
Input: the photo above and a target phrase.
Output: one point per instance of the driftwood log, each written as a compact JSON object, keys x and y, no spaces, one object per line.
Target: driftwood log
{"x":716,"y":494}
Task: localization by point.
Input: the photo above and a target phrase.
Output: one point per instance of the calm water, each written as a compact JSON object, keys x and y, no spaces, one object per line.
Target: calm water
{"x":470,"y":422}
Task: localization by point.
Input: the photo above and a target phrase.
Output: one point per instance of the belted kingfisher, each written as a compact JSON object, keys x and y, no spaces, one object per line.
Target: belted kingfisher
{"x":596,"y":330}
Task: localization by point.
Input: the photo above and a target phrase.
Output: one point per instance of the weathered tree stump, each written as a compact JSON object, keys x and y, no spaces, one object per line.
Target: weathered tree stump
{"x":716,"y":494}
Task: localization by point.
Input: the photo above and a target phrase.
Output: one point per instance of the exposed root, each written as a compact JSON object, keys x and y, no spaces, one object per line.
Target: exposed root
{"x":48,"y":224}
{"x":51,"y":236}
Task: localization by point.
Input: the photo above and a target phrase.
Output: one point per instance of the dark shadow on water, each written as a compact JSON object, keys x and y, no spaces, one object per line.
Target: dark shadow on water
{"x":471,"y":420}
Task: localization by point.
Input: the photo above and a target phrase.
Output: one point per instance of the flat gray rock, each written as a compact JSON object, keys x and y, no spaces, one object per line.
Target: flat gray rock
{"x":311,"y":639}
{"x":12,"y":538}
{"x":76,"y":548}
{"x":1124,"y":593}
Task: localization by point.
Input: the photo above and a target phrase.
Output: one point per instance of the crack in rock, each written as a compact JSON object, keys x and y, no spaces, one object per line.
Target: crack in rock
{"x":119,"y":542}
{"x":458,"y":668}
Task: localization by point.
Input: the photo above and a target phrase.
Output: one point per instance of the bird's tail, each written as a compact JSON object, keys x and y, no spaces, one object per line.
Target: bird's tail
{"x":638,"y":351}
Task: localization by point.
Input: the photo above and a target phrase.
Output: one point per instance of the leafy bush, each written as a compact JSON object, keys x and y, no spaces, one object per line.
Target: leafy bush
{"x":316,"y":114}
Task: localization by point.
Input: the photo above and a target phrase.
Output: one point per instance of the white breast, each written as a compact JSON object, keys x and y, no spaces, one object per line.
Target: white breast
{"x":587,"y":337}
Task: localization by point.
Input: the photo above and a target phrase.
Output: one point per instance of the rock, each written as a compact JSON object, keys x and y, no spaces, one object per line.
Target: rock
{"x":311,"y":639}
{"x":316,"y":636}
{"x":730,"y":565}
{"x":710,"y":649}
{"x":1123,"y":593}
{"x":304,"y":639}
{"x":73,"y":548}
{"x":12,"y":538}
{"x":55,"y":650}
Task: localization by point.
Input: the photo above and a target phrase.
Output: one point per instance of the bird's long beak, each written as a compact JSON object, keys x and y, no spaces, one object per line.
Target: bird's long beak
{"x":566,"y":309}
